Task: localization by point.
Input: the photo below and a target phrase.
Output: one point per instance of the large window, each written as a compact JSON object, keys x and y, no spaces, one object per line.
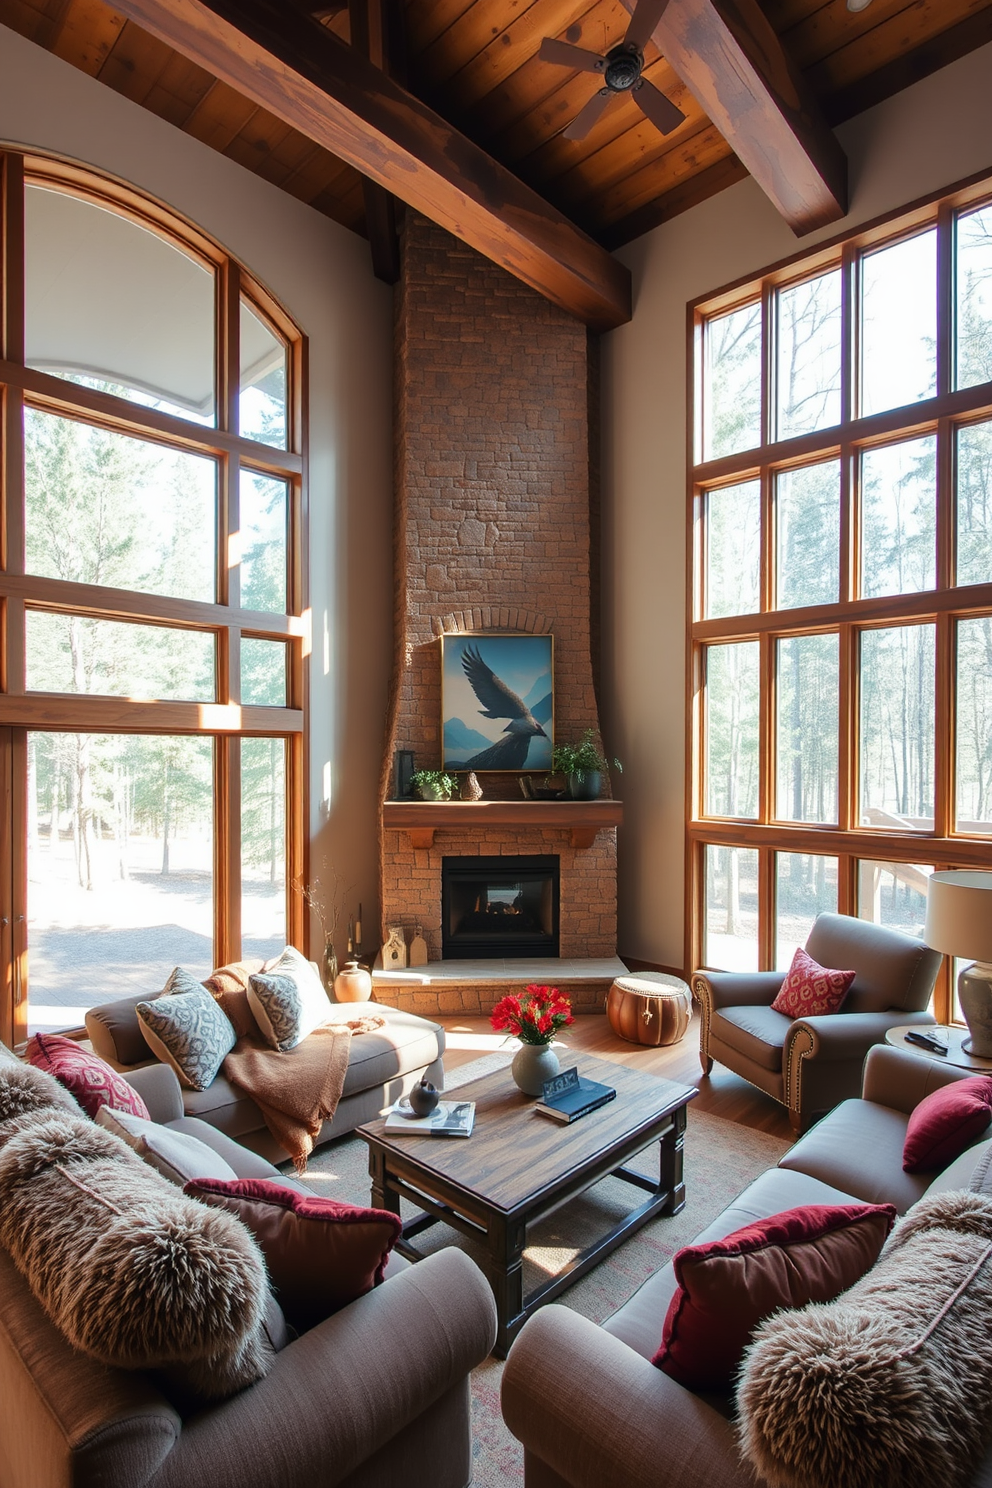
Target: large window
{"x":841,"y":609}
{"x":152,"y":607}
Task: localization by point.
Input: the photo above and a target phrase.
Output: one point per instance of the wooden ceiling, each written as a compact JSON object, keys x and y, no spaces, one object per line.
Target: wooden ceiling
{"x":475,"y":63}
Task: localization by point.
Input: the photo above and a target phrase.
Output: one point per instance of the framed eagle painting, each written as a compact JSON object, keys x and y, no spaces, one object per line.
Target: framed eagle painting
{"x":497,"y":702}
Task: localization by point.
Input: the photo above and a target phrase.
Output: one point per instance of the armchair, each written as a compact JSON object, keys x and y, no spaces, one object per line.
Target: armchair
{"x":810,"y":1064}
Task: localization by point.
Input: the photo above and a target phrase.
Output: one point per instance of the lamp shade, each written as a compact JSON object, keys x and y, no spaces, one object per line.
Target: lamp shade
{"x":959,"y":914}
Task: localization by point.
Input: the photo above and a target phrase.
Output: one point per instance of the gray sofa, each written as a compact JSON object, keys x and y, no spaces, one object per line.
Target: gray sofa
{"x":621,"y":1420}
{"x":376,"y":1395}
{"x":383,"y":1067}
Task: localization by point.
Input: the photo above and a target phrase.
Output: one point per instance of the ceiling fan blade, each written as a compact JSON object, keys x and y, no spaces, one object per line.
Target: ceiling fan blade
{"x":566,"y":55}
{"x":587,"y":117}
{"x":647,"y":14}
{"x":655,"y":106}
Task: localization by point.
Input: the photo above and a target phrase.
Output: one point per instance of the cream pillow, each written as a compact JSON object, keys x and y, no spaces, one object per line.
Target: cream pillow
{"x":288,"y":1000}
{"x":176,"y":1155}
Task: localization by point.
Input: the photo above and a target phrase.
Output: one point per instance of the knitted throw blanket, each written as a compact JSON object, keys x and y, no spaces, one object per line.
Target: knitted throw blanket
{"x":299,"y":1090}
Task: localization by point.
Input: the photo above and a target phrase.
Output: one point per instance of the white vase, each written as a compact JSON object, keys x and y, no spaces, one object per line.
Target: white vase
{"x":532,"y":1065}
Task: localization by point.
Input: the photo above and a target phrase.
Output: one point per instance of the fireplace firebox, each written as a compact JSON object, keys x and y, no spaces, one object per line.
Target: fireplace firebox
{"x":499,"y":907}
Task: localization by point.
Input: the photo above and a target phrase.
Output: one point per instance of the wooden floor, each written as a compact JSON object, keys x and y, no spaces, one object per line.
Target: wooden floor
{"x":721,"y":1093}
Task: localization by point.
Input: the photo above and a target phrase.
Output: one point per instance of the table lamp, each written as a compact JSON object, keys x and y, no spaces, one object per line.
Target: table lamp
{"x":959,"y":923}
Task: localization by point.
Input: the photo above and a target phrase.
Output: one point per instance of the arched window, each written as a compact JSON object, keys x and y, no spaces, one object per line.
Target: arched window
{"x":152,"y":593}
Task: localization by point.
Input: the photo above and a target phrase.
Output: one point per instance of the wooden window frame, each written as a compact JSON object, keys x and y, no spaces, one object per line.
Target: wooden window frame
{"x":225,"y":721}
{"x":942,"y":415}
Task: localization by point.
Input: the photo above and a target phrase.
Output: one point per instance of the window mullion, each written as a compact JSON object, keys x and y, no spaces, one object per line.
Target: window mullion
{"x":228,"y":346}
{"x":849,"y":334}
{"x":766,"y":727}
{"x":944,"y":732}
{"x":848,"y":814}
{"x":945,"y":299}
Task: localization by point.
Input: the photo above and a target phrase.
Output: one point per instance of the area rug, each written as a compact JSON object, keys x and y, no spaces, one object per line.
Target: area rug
{"x":721,"y":1158}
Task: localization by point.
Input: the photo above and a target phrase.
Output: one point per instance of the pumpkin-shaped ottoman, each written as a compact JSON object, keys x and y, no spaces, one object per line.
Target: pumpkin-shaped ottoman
{"x":649,"y":1008}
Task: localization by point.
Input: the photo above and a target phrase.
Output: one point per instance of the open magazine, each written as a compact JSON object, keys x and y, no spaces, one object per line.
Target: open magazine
{"x":448,"y":1119}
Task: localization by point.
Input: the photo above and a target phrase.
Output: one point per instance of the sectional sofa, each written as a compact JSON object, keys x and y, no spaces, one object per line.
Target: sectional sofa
{"x":621,"y":1420}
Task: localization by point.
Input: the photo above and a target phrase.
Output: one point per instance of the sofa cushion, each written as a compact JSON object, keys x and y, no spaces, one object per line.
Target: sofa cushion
{"x":187,"y":1029}
{"x":889,"y":1385}
{"x":640,"y":1321}
{"x":811,"y":990}
{"x":134,"y":1274}
{"x":857,"y":1147}
{"x":288,"y":1000}
{"x":87,"y":1077}
{"x":320,"y":1254}
{"x":946,"y":1122}
{"x":757,"y":1032}
{"x":726,"y":1287}
{"x":971,"y":1170}
{"x":177,"y":1155}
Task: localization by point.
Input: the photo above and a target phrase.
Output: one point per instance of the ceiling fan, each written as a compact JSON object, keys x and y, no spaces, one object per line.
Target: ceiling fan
{"x":620,"y":70}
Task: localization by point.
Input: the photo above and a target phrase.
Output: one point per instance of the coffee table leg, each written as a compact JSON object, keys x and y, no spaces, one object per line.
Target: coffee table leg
{"x":383,"y":1196}
{"x":506,"y":1243}
{"x":670,"y":1172}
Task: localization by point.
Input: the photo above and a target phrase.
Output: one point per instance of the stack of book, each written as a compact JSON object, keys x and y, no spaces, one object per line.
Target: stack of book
{"x":569,"y":1096}
{"x":448,"y":1119}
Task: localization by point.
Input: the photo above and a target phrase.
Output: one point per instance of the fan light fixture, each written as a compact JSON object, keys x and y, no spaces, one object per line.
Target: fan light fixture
{"x":858,"y":4}
{"x":620,"y":70}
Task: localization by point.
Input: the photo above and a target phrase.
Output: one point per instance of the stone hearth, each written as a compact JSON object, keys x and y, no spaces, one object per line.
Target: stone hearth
{"x":493,"y":533}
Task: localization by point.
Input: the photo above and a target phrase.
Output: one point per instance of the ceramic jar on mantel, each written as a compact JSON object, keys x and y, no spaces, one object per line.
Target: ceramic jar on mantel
{"x":532,"y":1065}
{"x":353,"y":983}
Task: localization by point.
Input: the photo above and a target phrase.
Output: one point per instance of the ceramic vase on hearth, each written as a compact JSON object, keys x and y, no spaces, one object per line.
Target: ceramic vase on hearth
{"x":353,"y":983}
{"x":532,"y":1065}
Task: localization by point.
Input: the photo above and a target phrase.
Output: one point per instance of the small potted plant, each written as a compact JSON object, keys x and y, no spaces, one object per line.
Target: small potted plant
{"x":433,"y":785}
{"x":582,"y":765}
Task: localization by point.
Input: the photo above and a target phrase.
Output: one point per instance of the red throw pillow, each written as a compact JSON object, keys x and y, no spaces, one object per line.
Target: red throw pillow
{"x":320,"y":1254}
{"x":727,"y":1287}
{"x":84,"y":1075}
{"x":810,"y":989}
{"x":946,"y":1122}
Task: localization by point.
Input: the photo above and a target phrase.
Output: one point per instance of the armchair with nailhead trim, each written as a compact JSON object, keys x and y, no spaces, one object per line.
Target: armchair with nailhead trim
{"x":810,"y":1064}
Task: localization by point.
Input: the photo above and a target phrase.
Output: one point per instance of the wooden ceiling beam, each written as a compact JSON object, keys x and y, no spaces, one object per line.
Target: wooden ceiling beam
{"x":731,"y":58}
{"x":278,"y":57}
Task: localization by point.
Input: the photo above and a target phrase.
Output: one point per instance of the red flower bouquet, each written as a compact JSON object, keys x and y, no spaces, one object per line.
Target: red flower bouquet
{"x":534,"y":1019}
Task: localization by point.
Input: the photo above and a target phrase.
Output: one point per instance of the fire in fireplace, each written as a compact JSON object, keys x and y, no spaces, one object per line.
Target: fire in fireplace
{"x":497,"y":907}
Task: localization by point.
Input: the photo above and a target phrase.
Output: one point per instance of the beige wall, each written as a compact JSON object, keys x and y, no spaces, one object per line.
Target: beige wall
{"x":322,"y":275}
{"x":933,"y":134}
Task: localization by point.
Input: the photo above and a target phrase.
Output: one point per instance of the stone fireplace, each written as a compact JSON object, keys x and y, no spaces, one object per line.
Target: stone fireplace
{"x":493,"y":533}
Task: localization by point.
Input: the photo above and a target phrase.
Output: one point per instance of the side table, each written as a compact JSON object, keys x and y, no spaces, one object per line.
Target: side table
{"x":952,"y":1034}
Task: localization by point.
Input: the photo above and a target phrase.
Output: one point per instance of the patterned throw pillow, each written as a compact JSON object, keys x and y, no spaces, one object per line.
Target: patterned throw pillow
{"x":810,"y":989}
{"x":288,"y":1000}
{"x":84,"y":1075}
{"x":187,"y":1030}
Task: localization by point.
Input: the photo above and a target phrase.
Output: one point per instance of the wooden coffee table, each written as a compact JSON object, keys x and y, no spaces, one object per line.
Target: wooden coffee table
{"x":518,"y":1166}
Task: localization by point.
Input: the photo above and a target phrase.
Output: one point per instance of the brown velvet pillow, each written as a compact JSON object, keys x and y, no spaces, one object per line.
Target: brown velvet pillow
{"x":320,"y":1254}
{"x":727,"y":1287}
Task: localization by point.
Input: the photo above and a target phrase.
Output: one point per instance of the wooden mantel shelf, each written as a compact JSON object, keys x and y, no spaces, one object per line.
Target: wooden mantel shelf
{"x":421,"y":819}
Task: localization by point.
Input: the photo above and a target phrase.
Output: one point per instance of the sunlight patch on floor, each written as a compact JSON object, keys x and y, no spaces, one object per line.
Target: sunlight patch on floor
{"x":486,"y":1043}
{"x":550,"y":1258}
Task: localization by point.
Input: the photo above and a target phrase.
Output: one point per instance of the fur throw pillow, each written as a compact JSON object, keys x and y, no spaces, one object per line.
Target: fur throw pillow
{"x":26,"y":1092}
{"x":890,"y":1386}
{"x":132,"y":1272}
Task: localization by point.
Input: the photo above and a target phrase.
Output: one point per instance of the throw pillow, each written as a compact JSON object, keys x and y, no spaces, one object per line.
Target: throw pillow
{"x":229,"y":984}
{"x":84,"y":1075}
{"x":188,"y":1031}
{"x":288,"y":1000}
{"x":176,"y":1155}
{"x":809,"y":989}
{"x":886,"y":1386}
{"x":946,"y":1122}
{"x":136,"y":1275}
{"x":726,"y":1287}
{"x":320,"y":1254}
